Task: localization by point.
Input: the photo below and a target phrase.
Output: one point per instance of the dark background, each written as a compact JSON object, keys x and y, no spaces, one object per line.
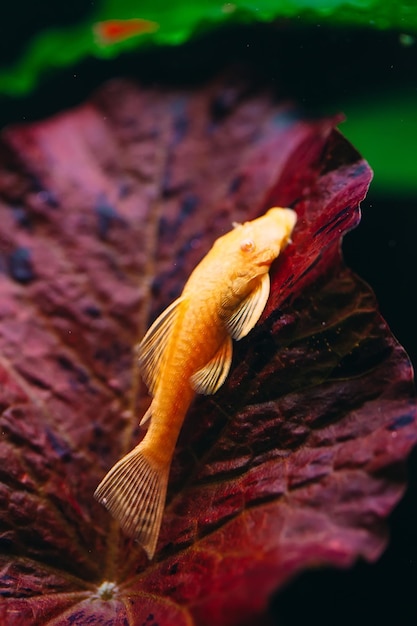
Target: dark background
{"x":324,"y":70}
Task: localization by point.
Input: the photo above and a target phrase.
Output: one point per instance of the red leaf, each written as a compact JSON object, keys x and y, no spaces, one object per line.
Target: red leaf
{"x":294,"y":463}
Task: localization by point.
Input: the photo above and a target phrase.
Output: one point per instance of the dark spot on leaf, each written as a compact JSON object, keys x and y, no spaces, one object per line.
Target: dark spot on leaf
{"x":164,"y":227}
{"x":188,"y":207}
{"x":181,"y":260}
{"x":157,"y":285}
{"x":220,"y":106}
{"x":107,"y":218}
{"x":75,"y":617}
{"x":99,"y":444}
{"x":180,"y":128}
{"x":188,"y":246}
{"x":6,"y":545}
{"x":285,"y":119}
{"x":168,"y":187}
{"x":20,"y":266}
{"x":35,"y":182}
{"x":22,"y":217}
{"x":81,"y":617}
{"x":336,"y":221}
{"x":60,"y":448}
{"x":124,"y":190}
{"x":109,"y":354}
{"x":92,"y":311}
{"x":49,"y":198}
{"x":181,"y":122}
{"x":224,"y":103}
{"x":401,"y":422}
{"x":235,"y":183}
{"x":359,"y":170}
{"x":173,"y":570}
{"x":80,"y":376}
{"x":172,"y":294}
{"x":34,"y":380}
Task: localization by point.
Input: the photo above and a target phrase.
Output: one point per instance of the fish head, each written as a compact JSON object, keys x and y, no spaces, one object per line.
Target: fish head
{"x":260,"y":241}
{"x":244,"y":257}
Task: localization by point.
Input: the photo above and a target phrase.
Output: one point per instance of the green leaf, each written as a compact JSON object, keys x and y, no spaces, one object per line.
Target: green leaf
{"x":179,"y":21}
{"x":385,"y":131}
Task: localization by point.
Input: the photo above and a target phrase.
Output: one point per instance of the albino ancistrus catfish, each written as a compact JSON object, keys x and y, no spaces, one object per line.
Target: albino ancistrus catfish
{"x":188,"y":349}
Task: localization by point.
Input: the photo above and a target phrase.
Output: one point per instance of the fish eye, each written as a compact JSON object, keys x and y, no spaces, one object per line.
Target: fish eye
{"x":247,"y":245}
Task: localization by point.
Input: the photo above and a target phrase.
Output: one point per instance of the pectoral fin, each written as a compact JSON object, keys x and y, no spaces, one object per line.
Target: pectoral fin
{"x":250,"y":310}
{"x":210,"y":378}
{"x":152,"y":346}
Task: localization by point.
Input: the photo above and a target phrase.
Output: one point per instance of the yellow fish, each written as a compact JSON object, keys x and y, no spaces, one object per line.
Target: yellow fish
{"x":188,"y":349}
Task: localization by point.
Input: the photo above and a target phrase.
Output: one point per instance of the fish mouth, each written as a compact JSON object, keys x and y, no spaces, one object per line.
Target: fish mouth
{"x":267,"y":261}
{"x":265,"y":264}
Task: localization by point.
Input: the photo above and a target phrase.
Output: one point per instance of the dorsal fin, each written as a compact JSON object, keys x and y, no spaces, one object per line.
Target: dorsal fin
{"x":244,"y":318}
{"x":152,"y":347}
{"x":209,"y":378}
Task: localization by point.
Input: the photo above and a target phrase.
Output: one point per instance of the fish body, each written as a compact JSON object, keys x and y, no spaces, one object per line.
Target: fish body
{"x":188,"y":350}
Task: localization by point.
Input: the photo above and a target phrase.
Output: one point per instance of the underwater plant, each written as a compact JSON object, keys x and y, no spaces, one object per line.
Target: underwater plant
{"x":294,"y":463}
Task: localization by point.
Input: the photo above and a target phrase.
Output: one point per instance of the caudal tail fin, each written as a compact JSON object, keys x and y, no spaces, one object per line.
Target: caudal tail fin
{"x":134,"y":492}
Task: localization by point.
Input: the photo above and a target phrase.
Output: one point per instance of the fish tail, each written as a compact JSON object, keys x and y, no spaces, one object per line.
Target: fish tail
{"x":134,"y":492}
